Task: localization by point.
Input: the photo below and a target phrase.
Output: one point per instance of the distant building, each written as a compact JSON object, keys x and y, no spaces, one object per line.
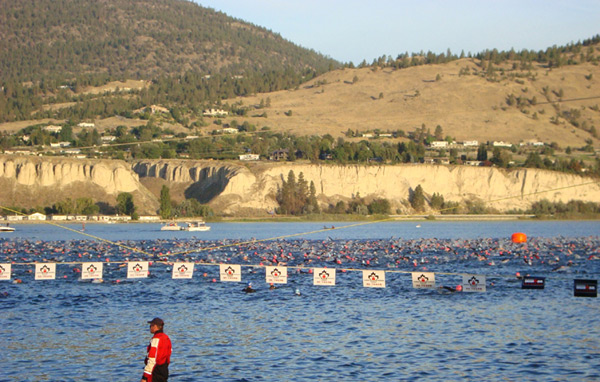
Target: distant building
{"x":108,"y":138}
{"x":230,"y":130}
{"x":470,"y":143}
{"x":249,"y":157}
{"x":439,"y":144}
{"x":215,"y":113}
{"x":52,"y":128}
{"x":149,"y":218}
{"x":85,"y":124}
{"x":501,"y":144}
{"x":281,"y":154}
{"x":36,"y":216}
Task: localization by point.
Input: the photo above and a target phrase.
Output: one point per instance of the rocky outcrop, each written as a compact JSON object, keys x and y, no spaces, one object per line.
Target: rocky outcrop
{"x":231,"y":189}
{"x":43,"y":181}
{"x":251,"y":189}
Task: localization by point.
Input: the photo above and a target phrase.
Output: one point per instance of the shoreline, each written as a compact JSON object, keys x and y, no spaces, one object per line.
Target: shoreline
{"x":321,"y":219}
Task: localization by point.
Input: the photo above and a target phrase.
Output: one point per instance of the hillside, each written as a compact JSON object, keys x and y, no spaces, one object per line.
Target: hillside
{"x":467,"y":106}
{"x":136,"y":39}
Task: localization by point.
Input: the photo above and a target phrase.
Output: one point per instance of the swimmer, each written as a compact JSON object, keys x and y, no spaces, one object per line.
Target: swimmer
{"x":444,"y":288}
{"x":297,"y":292}
{"x":249,"y":289}
{"x":272,"y":286}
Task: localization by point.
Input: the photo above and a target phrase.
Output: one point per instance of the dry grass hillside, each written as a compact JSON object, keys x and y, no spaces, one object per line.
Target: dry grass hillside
{"x":466,"y":106}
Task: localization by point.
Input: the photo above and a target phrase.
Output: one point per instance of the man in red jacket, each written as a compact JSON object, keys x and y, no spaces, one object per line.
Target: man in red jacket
{"x":159,"y":354}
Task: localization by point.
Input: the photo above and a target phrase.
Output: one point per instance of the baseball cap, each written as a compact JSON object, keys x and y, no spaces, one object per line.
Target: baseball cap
{"x":156,"y":321}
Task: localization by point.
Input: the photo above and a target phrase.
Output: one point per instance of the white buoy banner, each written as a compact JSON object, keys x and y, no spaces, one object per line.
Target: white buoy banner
{"x":137,"y":269}
{"x":45,"y":271}
{"x":91,"y":271}
{"x":373,"y":279}
{"x":276,"y":275}
{"x":183,"y":270}
{"x":324,"y":276}
{"x":473,"y":283}
{"x":423,"y":280}
{"x":230,"y":272}
{"x":5,"y":271}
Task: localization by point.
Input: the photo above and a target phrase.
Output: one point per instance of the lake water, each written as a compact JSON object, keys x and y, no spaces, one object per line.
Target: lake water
{"x":69,"y":330}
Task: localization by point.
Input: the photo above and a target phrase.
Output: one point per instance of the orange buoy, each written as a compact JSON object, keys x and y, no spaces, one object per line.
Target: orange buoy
{"x":519,"y":237}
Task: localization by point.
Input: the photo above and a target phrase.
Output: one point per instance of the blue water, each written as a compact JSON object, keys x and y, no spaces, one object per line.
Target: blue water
{"x":69,"y":330}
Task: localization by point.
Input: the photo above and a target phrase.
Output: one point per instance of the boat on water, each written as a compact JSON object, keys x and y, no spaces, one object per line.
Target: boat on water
{"x":6,"y":229}
{"x":171,"y":227}
{"x":196,"y":226}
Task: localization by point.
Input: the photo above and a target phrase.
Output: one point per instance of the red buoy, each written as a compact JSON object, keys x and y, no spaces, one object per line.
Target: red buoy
{"x":519,"y":237}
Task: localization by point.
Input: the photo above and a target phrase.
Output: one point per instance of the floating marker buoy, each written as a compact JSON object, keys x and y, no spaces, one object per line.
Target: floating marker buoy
{"x":519,"y":237}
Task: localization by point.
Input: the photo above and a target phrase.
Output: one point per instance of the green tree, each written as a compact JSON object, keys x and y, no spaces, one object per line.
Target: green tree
{"x":437,"y":201}
{"x":125,"y":204}
{"x":379,"y":206}
{"x":482,"y":154}
{"x":417,"y":199}
{"x":165,"y":202}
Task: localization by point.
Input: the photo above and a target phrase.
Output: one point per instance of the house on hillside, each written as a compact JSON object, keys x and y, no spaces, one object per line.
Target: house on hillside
{"x":215,"y":113}
{"x":52,"y":128}
{"x":279,"y":155}
{"x":249,"y":157}
{"x":439,"y":144}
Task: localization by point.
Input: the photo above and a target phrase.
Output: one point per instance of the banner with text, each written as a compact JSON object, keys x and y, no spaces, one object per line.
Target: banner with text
{"x":423,"y":280}
{"x":45,"y":271}
{"x":324,"y":276}
{"x":137,"y":269}
{"x":276,"y":275}
{"x":473,"y":283}
{"x":183,"y":270}
{"x":5,"y":271}
{"x":373,"y":279}
{"x":230,"y":272}
{"x":91,"y":271}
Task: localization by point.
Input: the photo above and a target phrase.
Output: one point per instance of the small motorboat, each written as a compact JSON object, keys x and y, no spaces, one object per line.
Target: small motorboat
{"x":171,"y":227}
{"x":6,"y":228}
{"x":196,"y":226}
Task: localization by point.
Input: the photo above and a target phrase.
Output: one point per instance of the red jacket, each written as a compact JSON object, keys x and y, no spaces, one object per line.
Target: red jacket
{"x":159,"y":353}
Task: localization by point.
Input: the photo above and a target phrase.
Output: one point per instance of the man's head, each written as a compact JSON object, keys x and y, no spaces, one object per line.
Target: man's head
{"x":156,"y":324}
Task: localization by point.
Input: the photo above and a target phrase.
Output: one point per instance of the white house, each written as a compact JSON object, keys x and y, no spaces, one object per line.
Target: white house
{"x":439,"y":144}
{"x":230,"y":130}
{"x":52,"y":128}
{"x":501,"y":144}
{"x":214,"y":113}
{"x":36,"y":216}
{"x":470,"y":143}
{"x":58,"y":217}
{"x":248,"y":157}
{"x":149,"y":218}
{"x":85,"y":124}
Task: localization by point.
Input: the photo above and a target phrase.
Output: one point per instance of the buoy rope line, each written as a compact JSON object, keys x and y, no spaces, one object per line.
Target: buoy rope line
{"x":340,"y":269}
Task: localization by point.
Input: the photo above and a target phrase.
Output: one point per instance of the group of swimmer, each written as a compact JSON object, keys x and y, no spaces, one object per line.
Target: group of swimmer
{"x":558,"y":254}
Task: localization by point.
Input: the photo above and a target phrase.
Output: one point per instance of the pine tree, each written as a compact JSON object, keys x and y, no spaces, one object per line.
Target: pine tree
{"x":165,"y":202}
{"x":417,"y":199}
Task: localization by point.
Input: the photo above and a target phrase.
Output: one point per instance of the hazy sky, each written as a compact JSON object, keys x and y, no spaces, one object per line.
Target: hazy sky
{"x":353,"y":30}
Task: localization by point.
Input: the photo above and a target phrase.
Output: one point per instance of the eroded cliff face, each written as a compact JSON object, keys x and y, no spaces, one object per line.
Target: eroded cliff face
{"x":43,"y":181}
{"x":234,"y":189}
{"x":251,"y":189}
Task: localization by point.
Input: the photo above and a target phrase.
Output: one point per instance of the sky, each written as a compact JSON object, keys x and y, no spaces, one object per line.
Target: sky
{"x":357,"y":30}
